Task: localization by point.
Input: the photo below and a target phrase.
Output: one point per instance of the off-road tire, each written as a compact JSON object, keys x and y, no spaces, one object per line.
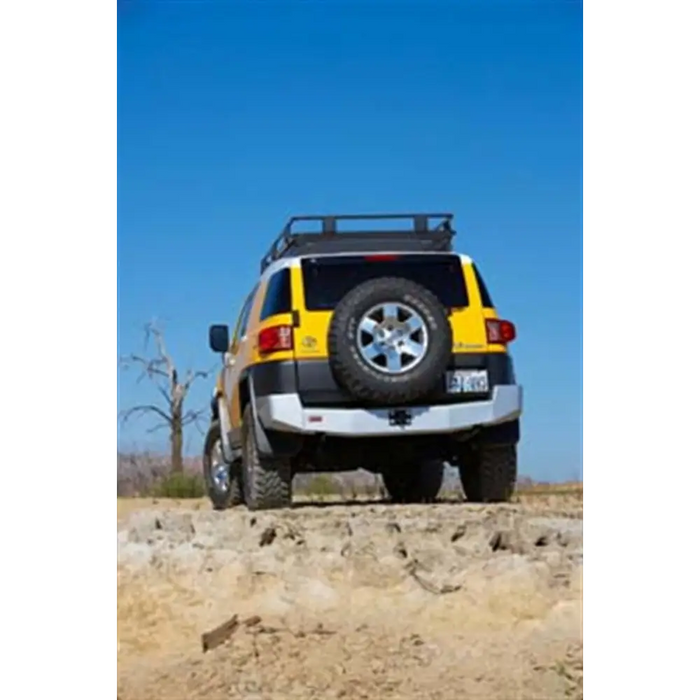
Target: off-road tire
{"x":415,"y":483}
{"x":221,"y":500}
{"x":267,"y":481}
{"x":488,"y":473}
{"x":368,"y":384}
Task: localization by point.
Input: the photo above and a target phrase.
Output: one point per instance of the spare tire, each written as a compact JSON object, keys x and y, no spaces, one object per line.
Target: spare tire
{"x":389,"y":341}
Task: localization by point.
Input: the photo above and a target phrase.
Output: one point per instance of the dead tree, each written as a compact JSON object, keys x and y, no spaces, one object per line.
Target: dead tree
{"x":161,"y":371}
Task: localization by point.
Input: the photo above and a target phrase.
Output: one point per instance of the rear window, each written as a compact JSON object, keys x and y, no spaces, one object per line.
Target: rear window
{"x":328,"y":280}
{"x":486,"y":301}
{"x":278,"y":297}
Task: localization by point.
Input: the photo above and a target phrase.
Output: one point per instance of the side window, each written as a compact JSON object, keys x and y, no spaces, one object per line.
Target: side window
{"x":278,"y":297}
{"x":242,"y":325}
{"x":245,"y":317}
{"x":486,"y":301}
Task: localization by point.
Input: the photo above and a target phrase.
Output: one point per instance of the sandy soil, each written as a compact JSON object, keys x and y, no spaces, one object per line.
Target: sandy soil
{"x":354,"y":601}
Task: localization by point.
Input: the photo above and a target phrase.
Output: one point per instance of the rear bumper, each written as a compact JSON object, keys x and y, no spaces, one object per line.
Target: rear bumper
{"x":286,"y":413}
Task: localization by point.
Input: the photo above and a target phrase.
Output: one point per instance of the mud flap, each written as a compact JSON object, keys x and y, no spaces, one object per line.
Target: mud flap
{"x":230,"y":453}
{"x":272,"y":443}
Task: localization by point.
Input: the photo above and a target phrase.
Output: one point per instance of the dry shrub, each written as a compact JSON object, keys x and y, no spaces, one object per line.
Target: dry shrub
{"x":179,"y":486}
{"x":322,"y":485}
{"x":143,"y":473}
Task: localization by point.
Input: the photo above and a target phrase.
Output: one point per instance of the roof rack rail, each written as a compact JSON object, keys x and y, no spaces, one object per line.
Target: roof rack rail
{"x":329,"y":240}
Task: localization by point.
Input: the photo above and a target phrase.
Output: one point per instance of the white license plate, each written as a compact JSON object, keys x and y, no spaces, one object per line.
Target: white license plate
{"x":467,"y":381}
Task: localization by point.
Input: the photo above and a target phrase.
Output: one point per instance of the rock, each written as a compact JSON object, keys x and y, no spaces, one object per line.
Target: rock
{"x":268,"y":536}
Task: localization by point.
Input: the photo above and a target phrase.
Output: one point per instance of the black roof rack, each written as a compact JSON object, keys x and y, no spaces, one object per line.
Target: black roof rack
{"x":419,"y":238}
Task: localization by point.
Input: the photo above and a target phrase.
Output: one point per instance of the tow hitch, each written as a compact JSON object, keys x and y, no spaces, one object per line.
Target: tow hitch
{"x":400,"y":417}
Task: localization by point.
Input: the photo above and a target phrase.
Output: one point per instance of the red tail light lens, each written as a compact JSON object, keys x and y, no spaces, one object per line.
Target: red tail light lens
{"x":381,"y":257}
{"x":499,"y":332}
{"x":275,"y":338}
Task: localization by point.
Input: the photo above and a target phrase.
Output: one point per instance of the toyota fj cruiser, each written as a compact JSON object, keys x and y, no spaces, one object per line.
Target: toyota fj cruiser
{"x":369,"y":349}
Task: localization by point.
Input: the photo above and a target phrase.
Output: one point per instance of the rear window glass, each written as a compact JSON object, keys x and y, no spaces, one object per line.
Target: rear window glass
{"x":486,"y":301}
{"x":328,"y":280}
{"x":278,"y":297}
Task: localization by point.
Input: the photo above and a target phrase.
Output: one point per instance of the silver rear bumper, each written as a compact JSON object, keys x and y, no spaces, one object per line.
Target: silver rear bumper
{"x":285,"y":412}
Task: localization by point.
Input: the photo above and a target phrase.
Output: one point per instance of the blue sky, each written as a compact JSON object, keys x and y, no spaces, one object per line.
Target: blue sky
{"x":233,"y":116}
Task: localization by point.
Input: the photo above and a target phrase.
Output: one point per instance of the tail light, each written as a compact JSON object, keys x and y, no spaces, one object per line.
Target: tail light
{"x":499,"y":332}
{"x":381,"y":257}
{"x":275,"y":338}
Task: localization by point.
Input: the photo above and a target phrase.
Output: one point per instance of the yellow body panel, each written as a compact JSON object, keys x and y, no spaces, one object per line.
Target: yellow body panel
{"x":244,"y":349}
{"x":311,"y":335}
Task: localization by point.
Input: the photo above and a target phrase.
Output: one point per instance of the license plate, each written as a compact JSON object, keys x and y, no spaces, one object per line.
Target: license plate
{"x":467,"y":381}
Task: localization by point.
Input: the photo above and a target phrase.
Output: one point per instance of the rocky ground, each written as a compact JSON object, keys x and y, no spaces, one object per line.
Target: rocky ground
{"x":352,"y":601}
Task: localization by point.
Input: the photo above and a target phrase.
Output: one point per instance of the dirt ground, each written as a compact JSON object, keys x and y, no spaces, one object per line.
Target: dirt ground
{"x":354,"y":601}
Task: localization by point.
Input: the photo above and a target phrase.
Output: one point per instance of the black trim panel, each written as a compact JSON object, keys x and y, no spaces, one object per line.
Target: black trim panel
{"x":314,"y":381}
{"x":278,"y":377}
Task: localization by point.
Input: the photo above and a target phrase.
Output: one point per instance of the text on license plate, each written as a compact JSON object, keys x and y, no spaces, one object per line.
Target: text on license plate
{"x":467,"y":381}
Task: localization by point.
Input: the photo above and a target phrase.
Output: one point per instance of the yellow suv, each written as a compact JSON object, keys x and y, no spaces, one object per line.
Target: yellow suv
{"x":374,"y":349}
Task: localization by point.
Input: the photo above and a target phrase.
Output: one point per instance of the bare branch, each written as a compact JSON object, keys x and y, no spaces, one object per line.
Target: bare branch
{"x":153,"y":331}
{"x":143,"y":410}
{"x":195,"y":418}
{"x":166,"y":396}
{"x":151,"y":368}
{"x":158,"y":427}
{"x":192,"y":377}
{"x":192,"y":416}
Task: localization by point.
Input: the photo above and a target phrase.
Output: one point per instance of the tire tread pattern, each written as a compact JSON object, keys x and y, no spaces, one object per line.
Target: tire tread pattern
{"x":489,"y":473}
{"x":267,"y":481}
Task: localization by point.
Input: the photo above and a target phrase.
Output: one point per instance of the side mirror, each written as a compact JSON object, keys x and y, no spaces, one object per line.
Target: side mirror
{"x":218,"y":338}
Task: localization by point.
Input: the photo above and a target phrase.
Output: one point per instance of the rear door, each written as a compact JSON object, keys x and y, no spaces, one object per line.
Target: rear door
{"x":326,"y":280}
